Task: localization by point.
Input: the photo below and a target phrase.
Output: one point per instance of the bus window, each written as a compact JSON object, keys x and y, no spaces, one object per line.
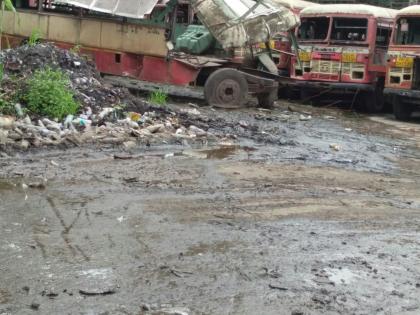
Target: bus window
{"x":314,"y":28}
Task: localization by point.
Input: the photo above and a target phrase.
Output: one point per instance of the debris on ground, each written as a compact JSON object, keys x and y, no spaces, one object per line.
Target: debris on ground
{"x":21,"y":62}
{"x":106,"y":113}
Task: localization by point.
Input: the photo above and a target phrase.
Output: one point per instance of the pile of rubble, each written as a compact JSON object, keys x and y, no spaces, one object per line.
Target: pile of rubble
{"x":87,"y":85}
{"x":102,"y":118}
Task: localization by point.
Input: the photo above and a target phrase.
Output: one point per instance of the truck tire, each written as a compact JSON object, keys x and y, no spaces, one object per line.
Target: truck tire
{"x":402,"y":111}
{"x":266,"y":100}
{"x":226,"y":88}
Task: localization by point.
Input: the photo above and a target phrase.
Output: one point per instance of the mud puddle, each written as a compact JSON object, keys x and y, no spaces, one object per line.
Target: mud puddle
{"x":279,"y":222}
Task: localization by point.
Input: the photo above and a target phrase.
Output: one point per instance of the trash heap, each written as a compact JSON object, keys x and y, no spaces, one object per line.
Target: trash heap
{"x":104,"y":115}
{"x":89,"y":89}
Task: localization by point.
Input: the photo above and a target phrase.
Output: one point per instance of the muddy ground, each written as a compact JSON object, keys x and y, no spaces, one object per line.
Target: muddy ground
{"x":283,"y":216}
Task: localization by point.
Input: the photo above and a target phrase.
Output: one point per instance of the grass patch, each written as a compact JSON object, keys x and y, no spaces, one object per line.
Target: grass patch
{"x":75,"y":49}
{"x":158,"y":97}
{"x":7,"y":108}
{"x":48,"y":93}
{"x":35,"y":37}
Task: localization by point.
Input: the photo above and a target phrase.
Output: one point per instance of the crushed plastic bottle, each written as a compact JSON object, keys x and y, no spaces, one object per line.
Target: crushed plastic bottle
{"x":19,"y":111}
{"x":105,"y":112}
{"x":68,"y":122}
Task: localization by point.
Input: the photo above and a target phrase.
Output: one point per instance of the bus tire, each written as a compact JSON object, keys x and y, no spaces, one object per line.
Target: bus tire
{"x":402,"y":111}
{"x":267,"y":100}
{"x":226,"y":88}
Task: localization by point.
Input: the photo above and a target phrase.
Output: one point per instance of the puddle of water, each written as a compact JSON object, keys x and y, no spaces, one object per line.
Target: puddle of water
{"x":7,"y":186}
{"x":218,"y":153}
{"x":341,"y":276}
{"x":101,"y":273}
{"x":201,"y":248}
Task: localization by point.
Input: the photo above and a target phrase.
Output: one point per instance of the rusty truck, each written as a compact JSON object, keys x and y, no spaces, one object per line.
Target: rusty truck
{"x":205,"y":43}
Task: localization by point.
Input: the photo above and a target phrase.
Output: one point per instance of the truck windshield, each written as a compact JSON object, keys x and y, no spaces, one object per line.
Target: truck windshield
{"x":314,"y":29}
{"x":349,"y":30}
{"x":407,"y":31}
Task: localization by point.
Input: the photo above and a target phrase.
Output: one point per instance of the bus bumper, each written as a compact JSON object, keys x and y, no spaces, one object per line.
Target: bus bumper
{"x":333,"y":87}
{"x":413,"y":96}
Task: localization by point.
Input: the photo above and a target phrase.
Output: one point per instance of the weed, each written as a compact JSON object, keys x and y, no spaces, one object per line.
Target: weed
{"x":158,"y":97}
{"x":7,"y":107}
{"x":1,"y":71}
{"x":76,"y":49}
{"x":8,"y":5}
{"x":35,"y":37}
{"x":48,"y":93}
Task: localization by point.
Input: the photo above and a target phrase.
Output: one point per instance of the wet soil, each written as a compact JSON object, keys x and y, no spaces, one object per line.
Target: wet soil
{"x":283,"y":216}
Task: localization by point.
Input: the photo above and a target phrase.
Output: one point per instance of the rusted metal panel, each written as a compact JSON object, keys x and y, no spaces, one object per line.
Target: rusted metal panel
{"x":8,"y":22}
{"x":171,"y":72}
{"x":89,"y":32}
{"x":236,"y":23}
{"x":148,"y":40}
{"x":62,"y":28}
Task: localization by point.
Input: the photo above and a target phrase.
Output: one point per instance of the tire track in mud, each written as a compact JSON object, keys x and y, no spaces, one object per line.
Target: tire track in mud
{"x":74,"y":249}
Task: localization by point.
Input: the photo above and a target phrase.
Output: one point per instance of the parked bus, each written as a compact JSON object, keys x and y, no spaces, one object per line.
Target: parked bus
{"x":143,"y":41}
{"x":403,"y":70}
{"x":343,"y":51}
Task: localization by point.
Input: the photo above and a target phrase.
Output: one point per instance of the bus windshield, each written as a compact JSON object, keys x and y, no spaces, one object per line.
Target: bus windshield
{"x":314,"y":29}
{"x":349,"y":29}
{"x":345,"y":30}
{"x":407,"y":31}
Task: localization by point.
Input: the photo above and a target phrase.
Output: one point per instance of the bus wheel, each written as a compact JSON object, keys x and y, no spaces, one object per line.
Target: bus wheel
{"x":402,"y":111}
{"x":266,"y":100}
{"x":226,"y":88}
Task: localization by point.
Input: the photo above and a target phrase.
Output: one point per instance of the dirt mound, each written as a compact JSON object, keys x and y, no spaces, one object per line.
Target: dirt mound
{"x":90,"y":90}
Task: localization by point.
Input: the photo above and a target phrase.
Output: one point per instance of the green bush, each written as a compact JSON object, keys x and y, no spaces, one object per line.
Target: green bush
{"x":48,"y":94}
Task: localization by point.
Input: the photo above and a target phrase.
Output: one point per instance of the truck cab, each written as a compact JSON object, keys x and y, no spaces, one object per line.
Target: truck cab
{"x":343,"y":51}
{"x":402,"y":86}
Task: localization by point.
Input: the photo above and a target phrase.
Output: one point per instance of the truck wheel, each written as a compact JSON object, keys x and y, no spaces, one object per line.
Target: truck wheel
{"x":402,"y":111}
{"x":266,"y":100}
{"x":226,"y":88}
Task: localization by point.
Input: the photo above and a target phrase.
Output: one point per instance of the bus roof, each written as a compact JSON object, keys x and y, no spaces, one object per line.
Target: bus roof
{"x":361,"y":9}
{"x":414,"y":9}
{"x":128,"y":8}
{"x":294,"y":4}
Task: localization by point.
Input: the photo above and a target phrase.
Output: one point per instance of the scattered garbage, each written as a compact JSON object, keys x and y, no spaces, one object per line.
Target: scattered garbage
{"x":106,"y":114}
{"x":305,"y":118}
{"x":335,"y":147}
{"x":6,"y":122}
